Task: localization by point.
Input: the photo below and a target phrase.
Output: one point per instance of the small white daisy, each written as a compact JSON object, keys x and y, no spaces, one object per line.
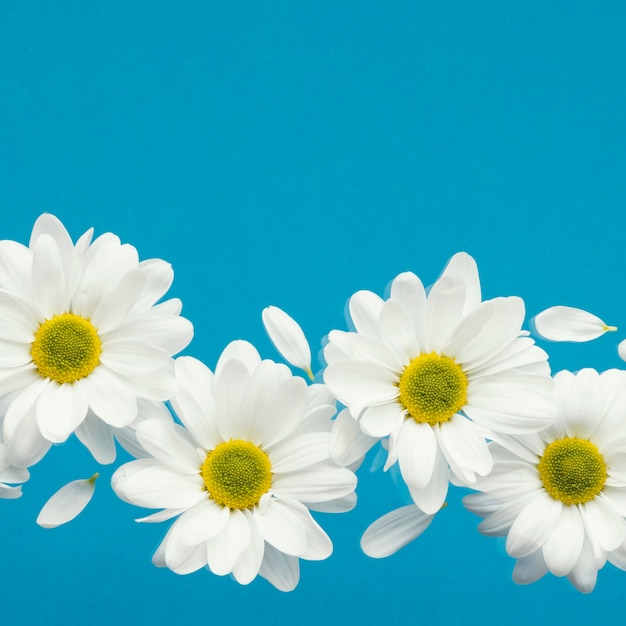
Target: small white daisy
{"x":242,"y":476}
{"x":560,"y":496}
{"x":82,"y":336}
{"x":436,"y":373}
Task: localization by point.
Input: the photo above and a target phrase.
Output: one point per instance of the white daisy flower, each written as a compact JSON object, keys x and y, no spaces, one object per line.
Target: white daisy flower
{"x":242,"y":476}
{"x":560,"y":496}
{"x":437,"y":373}
{"x":82,"y":336}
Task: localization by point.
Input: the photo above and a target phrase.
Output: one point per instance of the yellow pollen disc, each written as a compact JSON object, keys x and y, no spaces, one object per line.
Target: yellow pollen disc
{"x":66,"y":348}
{"x":236,"y":474}
{"x":572,"y":470}
{"x":433,"y":387}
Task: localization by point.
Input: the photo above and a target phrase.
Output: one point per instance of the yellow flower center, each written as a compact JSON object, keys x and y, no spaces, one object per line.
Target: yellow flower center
{"x":236,"y":474}
{"x":433,"y":387}
{"x":572,"y":470}
{"x":66,"y":348}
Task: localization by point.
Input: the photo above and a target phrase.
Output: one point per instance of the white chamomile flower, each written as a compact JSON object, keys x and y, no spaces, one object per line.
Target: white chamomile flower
{"x":241,"y":477}
{"x":82,"y":336}
{"x":565,"y":323}
{"x":560,"y":496}
{"x":437,"y":373}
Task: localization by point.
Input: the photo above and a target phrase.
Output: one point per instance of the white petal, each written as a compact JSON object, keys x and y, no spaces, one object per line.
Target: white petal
{"x":282,"y":528}
{"x":605,"y":525}
{"x":564,"y":323}
{"x":358,"y":385}
{"x":60,"y":410}
{"x":161,"y":440}
{"x":530,"y":568}
{"x":180,"y":557}
{"x":67,"y":503}
{"x":147,"y":483}
{"x":288,"y":338}
{"x":364,"y":308}
{"x":318,"y":483}
{"x":431,"y":498}
{"x":348,"y":442}
{"x":238,"y":350}
{"x":563,"y":548}
{"x":194,"y":402}
{"x":296,"y":453}
{"x":249,"y":562}
{"x":465,"y":448}
{"x":417,"y":450}
{"x":394,"y":530}
{"x":109,"y":397}
{"x":48,"y":277}
{"x":621,"y":350}
{"x":585,"y":573}
{"x":380,"y":420}
{"x":202,"y":521}
{"x":224,"y":549}
{"x":533,"y":526}
{"x":463,"y":267}
{"x":280,"y":569}
{"x":98,"y":438}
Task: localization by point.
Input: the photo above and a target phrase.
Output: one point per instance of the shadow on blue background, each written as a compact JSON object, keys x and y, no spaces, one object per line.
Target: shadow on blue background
{"x":291,"y":154}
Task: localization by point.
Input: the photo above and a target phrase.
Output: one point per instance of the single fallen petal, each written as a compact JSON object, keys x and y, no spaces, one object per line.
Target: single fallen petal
{"x":67,"y":502}
{"x":288,"y":338}
{"x":564,"y":323}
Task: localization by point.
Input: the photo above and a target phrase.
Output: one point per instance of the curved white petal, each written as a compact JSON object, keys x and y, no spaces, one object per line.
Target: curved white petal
{"x":288,"y":338}
{"x":67,"y":503}
{"x":564,"y":323}
{"x":394,"y":530}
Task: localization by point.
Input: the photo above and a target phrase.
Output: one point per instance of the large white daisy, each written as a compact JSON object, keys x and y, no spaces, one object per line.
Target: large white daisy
{"x":436,"y":373}
{"x":242,"y":478}
{"x":560,"y":496}
{"x":82,"y":336}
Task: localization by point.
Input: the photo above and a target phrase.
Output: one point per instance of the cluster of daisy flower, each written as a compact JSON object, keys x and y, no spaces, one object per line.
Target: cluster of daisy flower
{"x":449,"y":384}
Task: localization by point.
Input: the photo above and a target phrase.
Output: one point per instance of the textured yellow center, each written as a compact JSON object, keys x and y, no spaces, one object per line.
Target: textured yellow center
{"x":572,"y":470}
{"x":433,"y":387}
{"x":66,"y":348}
{"x":236,"y":474}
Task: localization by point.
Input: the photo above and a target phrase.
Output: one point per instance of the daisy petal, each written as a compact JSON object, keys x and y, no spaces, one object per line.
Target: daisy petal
{"x":533,"y":526}
{"x":67,"y":503}
{"x":288,"y":338}
{"x":348,"y":442}
{"x":530,"y":568}
{"x":281,"y":570}
{"x":394,"y":531}
{"x":564,"y":323}
{"x":563,"y":548}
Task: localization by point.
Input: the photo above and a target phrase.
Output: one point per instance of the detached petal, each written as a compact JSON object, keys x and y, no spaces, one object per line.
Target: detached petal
{"x":67,"y":502}
{"x":288,"y":338}
{"x":564,"y":323}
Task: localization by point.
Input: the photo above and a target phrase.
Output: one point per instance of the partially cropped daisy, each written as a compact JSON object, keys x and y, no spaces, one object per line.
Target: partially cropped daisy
{"x":436,"y":373}
{"x":242,"y":476}
{"x":559,"y":497}
{"x":83,"y":336}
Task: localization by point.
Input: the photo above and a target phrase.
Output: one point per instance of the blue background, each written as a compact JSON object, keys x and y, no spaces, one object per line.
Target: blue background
{"x":291,"y":153}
